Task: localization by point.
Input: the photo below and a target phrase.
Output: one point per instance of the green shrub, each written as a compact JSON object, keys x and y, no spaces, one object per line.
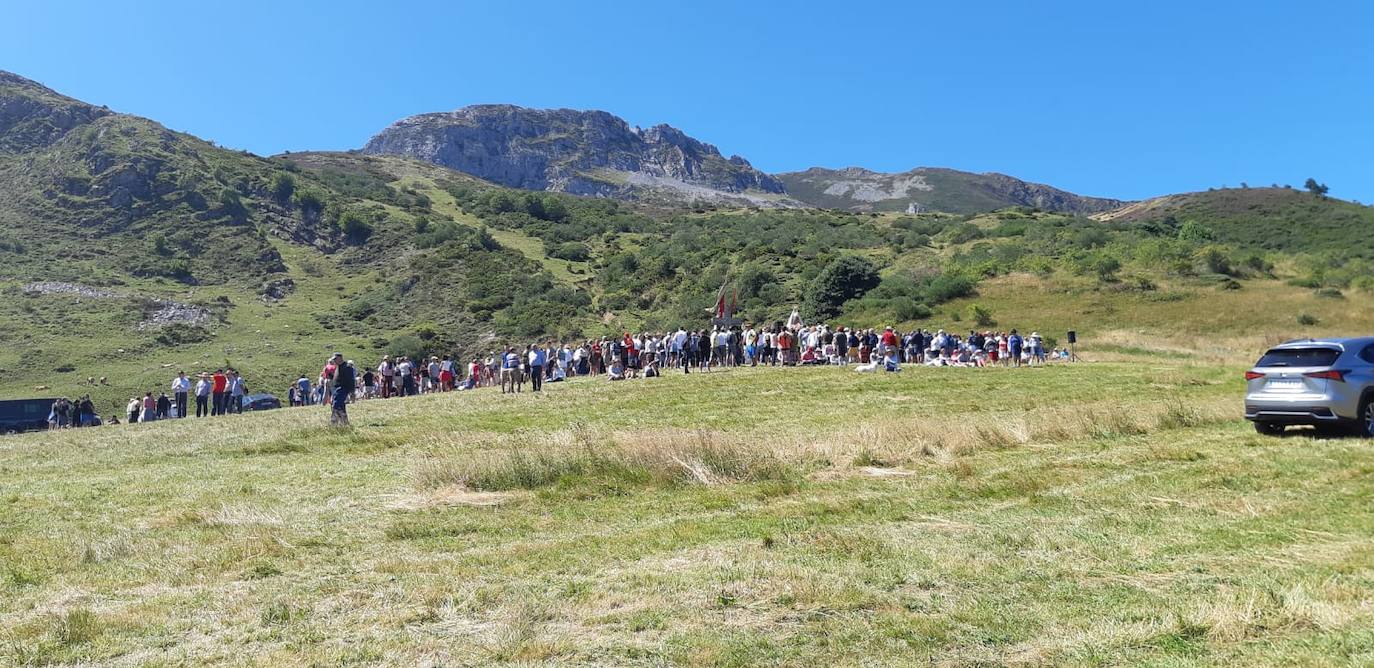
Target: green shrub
{"x":571,"y":250}
{"x":407,"y":345}
{"x":356,"y":229}
{"x":310,"y":202}
{"x":283,"y":187}
{"x":980,"y":316}
{"x":846,"y":278}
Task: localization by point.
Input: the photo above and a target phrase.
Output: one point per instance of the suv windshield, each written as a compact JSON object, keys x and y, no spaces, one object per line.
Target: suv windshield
{"x":1299,"y":357}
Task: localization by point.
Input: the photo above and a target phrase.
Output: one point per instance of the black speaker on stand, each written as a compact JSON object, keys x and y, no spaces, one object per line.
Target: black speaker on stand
{"x":1073,"y":341}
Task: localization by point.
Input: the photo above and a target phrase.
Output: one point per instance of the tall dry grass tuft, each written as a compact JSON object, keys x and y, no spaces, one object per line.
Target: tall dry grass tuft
{"x":1238,"y":615}
{"x":76,"y":627}
{"x":660,"y":457}
{"x":488,"y":462}
{"x":110,"y":549}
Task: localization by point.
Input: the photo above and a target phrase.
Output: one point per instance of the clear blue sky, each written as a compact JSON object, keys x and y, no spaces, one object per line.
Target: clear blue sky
{"x":1122,"y":99}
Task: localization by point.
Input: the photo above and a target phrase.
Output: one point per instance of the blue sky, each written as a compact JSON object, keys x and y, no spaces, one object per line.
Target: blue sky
{"x":1125,"y":100}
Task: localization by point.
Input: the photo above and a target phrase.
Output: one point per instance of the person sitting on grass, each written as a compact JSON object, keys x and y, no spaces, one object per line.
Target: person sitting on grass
{"x":890,"y":359}
{"x":617,"y":370}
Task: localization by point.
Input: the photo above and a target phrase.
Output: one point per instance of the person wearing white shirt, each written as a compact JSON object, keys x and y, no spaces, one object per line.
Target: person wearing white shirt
{"x":181,"y":390}
{"x":679,"y":340}
{"x":203,"y":387}
{"x":237,"y":390}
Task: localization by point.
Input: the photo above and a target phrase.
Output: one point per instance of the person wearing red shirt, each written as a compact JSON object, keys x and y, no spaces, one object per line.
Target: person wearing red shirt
{"x":889,"y":341}
{"x":327,"y":377}
{"x":218,"y":384}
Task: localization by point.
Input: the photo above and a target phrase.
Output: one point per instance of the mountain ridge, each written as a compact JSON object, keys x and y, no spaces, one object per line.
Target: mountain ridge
{"x":596,"y":153}
{"x":932,"y":189}
{"x":581,"y":152}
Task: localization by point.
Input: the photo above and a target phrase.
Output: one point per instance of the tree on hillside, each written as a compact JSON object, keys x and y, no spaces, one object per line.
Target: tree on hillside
{"x":283,"y":186}
{"x":1318,"y":189}
{"x":310,"y":203}
{"x":230,"y":204}
{"x":844,"y":279}
{"x":1195,"y":231}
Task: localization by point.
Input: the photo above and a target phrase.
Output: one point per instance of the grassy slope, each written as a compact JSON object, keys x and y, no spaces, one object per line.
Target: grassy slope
{"x":1181,"y":319}
{"x":1270,"y":218}
{"x":1097,"y":514}
{"x":271,"y":341}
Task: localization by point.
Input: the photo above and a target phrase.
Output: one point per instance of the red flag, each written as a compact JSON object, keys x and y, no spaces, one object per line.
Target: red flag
{"x":720,"y":302}
{"x":734,"y":302}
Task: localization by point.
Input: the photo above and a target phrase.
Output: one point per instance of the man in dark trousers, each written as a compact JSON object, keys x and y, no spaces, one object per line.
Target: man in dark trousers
{"x":181,"y":388}
{"x":345,"y":382}
{"x":218,"y":384}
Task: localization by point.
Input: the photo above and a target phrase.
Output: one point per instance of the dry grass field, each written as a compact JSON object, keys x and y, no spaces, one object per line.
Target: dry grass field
{"x":1093,"y":514}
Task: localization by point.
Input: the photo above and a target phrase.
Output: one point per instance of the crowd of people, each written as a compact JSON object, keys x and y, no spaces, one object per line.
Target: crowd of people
{"x":643,"y":355}
{"x":218,"y":393}
{"x":649,"y":355}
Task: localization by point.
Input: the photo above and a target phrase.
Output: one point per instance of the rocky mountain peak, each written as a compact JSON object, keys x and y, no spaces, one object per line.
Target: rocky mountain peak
{"x":32,"y":115}
{"x":581,"y":152}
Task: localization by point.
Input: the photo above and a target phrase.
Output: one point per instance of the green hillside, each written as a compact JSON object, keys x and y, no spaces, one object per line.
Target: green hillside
{"x":1278,"y":219}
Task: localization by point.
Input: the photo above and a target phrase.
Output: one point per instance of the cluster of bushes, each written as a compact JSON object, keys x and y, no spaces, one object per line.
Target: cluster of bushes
{"x":909,"y":295}
{"x":553,"y":218}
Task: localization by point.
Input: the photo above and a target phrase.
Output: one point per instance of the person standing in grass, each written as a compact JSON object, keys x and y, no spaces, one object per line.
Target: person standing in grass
{"x":510,"y":365}
{"x":303,"y":390}
{"x":89,"y":418}
{"x":446,"y":373}
{"x":889,"y":342}
{"x":388,"y":371}
{"x":164,"y":406}
{"x":369,"y":384}
{"x":181,"y":389}
{"x":237,"y":390}
{"x":135,"y":405}
{"x":327,"y":377}
{"x":345,"y":384}
{"x":149,"y":413}
{"x":475,"y":371}
{"x":536,"y":362}
{"x":203,"y":386}
{"x":407,"y":371}
{"x":1014,"y":344}
{"x":218,"y":384}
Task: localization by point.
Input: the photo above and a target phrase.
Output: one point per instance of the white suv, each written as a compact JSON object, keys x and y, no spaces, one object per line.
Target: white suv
{"x":1327,"y":383}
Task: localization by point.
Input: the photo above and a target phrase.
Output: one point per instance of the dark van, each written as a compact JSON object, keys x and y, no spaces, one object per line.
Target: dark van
{"x":24,"y":414}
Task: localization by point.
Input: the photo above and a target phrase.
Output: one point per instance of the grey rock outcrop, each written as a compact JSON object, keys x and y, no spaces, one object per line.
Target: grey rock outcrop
{"x":581,"y":152}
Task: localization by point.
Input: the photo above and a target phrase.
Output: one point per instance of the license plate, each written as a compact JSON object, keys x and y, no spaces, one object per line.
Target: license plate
{"x":1285,"y":384}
